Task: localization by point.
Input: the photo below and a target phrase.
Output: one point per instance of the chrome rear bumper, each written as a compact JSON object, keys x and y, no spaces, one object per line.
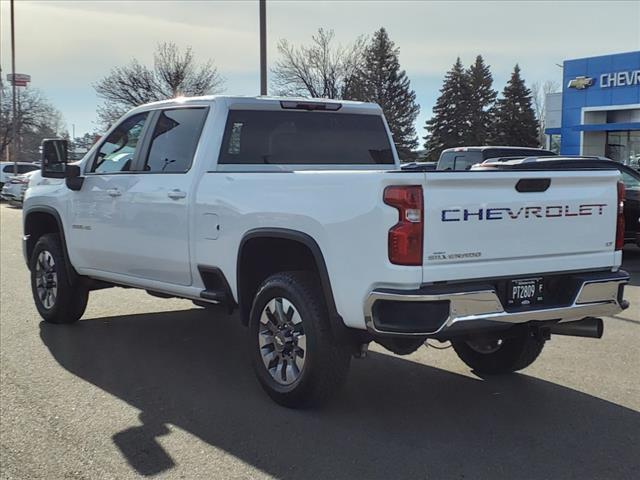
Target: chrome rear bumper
{"x":600,"y":296}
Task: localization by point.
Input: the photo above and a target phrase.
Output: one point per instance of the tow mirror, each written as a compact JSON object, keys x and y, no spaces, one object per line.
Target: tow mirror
{"x":54,"y":157}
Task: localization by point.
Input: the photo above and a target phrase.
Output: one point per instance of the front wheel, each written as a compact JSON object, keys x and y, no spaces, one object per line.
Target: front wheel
{"x":57,"y":298}
{"x":294,"y":354}
{"x":497,"y":355}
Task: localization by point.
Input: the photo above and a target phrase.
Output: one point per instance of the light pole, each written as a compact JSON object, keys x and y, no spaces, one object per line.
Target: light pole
{"x":263,"y":47}
{"x":14,"y":126}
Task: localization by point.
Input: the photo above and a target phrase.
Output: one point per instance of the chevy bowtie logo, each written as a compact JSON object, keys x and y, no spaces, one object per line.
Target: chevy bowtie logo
{"x":580,"y":83}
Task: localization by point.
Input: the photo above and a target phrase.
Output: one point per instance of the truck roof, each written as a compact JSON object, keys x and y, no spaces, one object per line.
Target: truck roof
{"x":489,"y":147}
{"x":266,"y":103}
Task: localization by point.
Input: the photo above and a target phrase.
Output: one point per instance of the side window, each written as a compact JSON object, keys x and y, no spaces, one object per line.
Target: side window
{"x":27,"y":168}
{"x":446,"y":161}
{"x":8,"y":169}
{"x":174,"y":140}
{"x":117,"y":151}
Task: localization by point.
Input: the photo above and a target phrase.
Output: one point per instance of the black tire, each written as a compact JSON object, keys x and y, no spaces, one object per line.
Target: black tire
{"x":70,"y":299}
{"x":513,"y":354}
{"x":326,"y":361}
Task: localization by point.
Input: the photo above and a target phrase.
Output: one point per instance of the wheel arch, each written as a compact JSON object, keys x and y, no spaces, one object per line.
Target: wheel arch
{"x":39,"y":221}
{"x":302,"y":250}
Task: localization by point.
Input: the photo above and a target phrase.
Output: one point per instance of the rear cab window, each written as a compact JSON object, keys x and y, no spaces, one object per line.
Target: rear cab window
{"x":272,"y":137}
{"x":459,"y":160}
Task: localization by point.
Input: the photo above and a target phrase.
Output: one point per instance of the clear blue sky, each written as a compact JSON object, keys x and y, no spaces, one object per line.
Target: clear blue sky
{"x":66,"y":46}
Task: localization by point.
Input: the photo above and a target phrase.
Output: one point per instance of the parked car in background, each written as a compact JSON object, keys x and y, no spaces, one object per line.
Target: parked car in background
{"x":7,"y":170}
{"x":630,"y":178}
{"x":419,"y":166}
{"x":462,"y":158}
{"x":13,"y":191}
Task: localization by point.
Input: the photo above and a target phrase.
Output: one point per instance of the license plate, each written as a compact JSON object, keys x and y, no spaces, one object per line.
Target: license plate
{"x":527,"y":291}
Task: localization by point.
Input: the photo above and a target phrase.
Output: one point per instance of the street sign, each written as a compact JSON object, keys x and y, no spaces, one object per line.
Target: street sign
{"x":19,"y":79}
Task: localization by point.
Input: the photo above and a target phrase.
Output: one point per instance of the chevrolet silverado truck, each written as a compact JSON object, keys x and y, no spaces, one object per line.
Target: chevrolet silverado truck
{"x":296,"y":213}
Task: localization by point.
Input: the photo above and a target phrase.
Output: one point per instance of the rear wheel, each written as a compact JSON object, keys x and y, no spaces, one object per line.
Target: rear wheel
{"x":57,"y":298}
{"x":498,"y":355}
{"x":294,"y":354}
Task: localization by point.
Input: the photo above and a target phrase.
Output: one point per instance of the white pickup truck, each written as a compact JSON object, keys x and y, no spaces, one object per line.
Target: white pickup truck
{"x":297,"y":213}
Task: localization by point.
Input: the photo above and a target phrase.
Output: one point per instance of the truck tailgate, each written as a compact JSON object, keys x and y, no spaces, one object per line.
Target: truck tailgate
{"x":478,"y":225}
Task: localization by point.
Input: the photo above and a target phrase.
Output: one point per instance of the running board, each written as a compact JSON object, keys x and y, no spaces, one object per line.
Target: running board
{"x":215,"y":295}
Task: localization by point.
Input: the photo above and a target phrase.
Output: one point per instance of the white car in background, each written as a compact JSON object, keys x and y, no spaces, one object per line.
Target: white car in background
{"x":7,"y":170}
{"x":13,"y":191}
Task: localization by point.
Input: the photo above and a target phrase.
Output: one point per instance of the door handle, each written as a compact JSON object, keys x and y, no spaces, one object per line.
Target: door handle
{"x":176,"y":194}
{"x":114,"y":192}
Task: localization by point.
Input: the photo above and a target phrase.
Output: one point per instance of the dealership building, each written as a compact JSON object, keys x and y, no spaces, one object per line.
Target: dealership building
{"x":598,"y":111}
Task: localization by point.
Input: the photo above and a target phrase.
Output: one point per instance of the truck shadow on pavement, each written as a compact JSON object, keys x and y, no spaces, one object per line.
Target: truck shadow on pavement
{"x":395,"y":418}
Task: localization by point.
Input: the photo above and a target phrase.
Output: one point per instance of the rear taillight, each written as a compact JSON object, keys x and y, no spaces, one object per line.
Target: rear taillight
{"x":405,"y":237}
{"x":620,"y":221}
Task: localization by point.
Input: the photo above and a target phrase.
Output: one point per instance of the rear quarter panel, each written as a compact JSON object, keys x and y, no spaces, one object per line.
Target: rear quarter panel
{"x":342,"y":211}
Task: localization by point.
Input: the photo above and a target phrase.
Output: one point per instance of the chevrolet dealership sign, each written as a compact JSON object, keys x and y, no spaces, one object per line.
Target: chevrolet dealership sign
{"x":607,"y":80}
{"x":620,"y":79}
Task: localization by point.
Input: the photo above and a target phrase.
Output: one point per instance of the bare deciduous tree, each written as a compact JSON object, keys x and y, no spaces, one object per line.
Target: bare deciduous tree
{"x":318,"y":70}
{"x":174,"y":73}
{"x":36,"y":118}
{"x":539,"y":92}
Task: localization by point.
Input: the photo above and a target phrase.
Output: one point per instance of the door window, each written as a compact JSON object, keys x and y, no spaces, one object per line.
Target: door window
{"x":174,"y":140}
{"x":117,"y":152}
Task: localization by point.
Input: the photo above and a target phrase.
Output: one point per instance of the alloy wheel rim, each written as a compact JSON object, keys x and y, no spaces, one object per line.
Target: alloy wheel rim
{"x":46,"y":279}
{"x":282,"y":341}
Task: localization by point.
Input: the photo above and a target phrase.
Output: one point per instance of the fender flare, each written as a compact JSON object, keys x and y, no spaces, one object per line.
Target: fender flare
{"x":337,"y":324}
{"x":71,"y":272}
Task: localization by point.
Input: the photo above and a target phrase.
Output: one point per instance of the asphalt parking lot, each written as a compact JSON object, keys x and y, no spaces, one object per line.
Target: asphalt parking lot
{"x":160,"y":388}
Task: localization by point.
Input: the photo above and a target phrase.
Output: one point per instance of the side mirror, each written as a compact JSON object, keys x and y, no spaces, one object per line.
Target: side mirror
{"x":54,"y":157}
{"x":73,"y":178}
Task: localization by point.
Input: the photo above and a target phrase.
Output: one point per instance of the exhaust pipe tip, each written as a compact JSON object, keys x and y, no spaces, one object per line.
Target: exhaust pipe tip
{"x":589,"y":327}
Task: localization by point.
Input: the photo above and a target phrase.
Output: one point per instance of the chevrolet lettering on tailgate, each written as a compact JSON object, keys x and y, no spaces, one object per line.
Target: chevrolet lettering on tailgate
{"x":505,"y":213}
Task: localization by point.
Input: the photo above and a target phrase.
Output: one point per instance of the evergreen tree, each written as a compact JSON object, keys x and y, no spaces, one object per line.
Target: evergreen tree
{"x":380,"y":80}
{"x":481,"y":99}
{"x":515,"y":121}
{"x":450,"y":124}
